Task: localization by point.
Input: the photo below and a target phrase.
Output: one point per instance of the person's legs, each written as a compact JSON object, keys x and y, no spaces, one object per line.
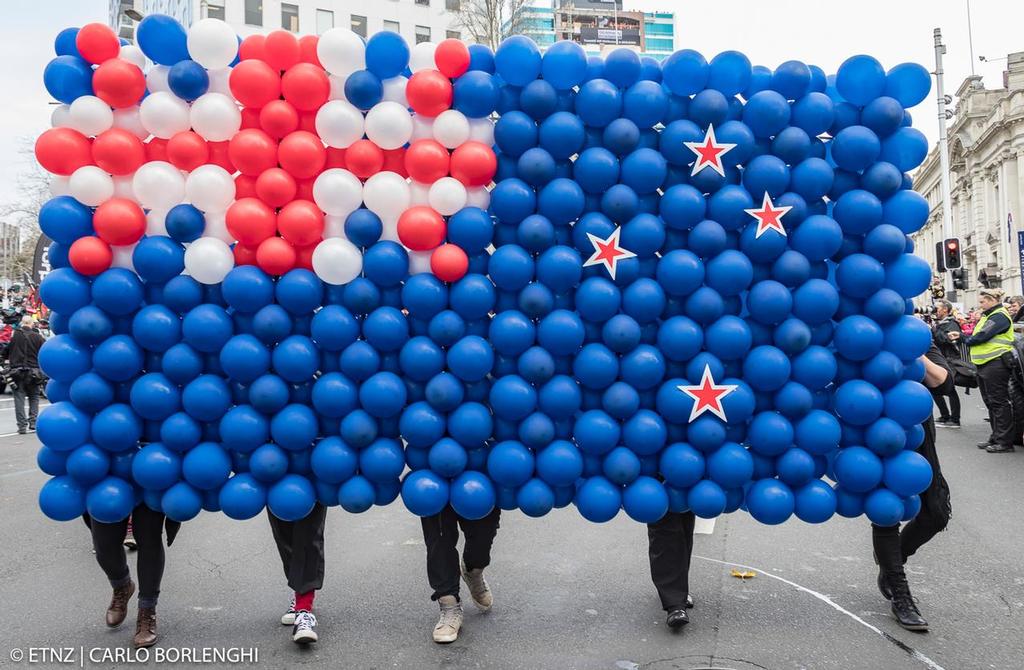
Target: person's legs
{"x":19,"y":407}
{"x":1017,"y":409}
{"x":892,"y":580}
{"x":441,"y":536}
{"x":670,"y":543}
{"x":940,"y":403}
{"x":479,"y":534}
{"x":954,"y":404}
{"x":301,"y":547}
{"x":33,"y":405}
{"x":107,"y":541}
{"x":148,"y":527}
{"x":997,"y":387}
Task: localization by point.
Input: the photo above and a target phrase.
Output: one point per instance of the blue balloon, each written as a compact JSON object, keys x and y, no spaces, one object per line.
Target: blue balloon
{"x":292,"y":498}
{"x":645,"y":500}
{"x":364,"y":89}
{"x":905,"y":148}
{"x":814,"y":113}
{"x":64,"y":358}
{"x":67,"y":78}
{"x":64,"y":219}
{"x":729,"y":72}
{"x":855,"y":148}
{"x":425,"y":493}
{"x":185,"y":223}
{"x":770,"y":501}
{"x":564,"y":64}
{"x":909,"y":83}
{"x":685,"y":72}
{"x":518,"y":60}
{"x":188,"y":80}
{"x":792,"y":79}
{"x":157,"y":259}
{"x":162,"y":39}
{"x":387,"y":54}
{"x":884,"y":508}
{"x":706,"y":499}
{"x":766,"y":113}
{"x":110,"y":500}
{"x":242,"y":497}
{"x":598,"y":500}
{"x":860,"y":79}
{"x":476,"y":94}
{"x":87,"y":464}
{"x":857,"y":402}
{"x":816,"y":502}
{"x":472,"y":495}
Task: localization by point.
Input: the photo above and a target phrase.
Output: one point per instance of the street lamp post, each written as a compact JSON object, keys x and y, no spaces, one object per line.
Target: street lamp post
{"x":947,"y":206}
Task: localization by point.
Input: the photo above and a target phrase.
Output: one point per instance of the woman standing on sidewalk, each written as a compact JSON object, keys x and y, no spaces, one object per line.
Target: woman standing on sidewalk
{"x":947,"y":334}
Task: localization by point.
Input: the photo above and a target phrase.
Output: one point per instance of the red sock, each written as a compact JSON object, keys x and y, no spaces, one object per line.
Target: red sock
{"x":304,"y":601}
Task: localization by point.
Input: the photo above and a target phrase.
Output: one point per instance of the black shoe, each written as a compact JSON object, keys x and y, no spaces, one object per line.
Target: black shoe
{"x":23,"y":431}
{"x":999,"y":449}
{"x":883,"y":585}
{"x":984,"y":445}
{"x":689,"y":602}
{"x":677,"y":619}
{"x":942,"y":420}
{"x":904,"y":608}
{"x":948,"y":424}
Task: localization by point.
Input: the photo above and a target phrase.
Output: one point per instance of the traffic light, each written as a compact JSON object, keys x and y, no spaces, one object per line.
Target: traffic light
{"x":940,"y":257}
{"x":960,"y":279}
{"x":951,"y":253}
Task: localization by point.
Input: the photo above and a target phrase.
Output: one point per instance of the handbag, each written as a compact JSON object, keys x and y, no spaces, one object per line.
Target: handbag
{"x":965,"y":373}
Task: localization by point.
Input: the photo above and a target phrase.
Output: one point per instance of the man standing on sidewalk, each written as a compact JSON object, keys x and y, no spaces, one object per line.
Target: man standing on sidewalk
{"x":947,"y":336}
{"x":26,"y":377}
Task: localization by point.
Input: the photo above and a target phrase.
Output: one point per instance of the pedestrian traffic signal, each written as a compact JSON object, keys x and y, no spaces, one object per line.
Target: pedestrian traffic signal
{"x":960,"y":279}
{"x":951,"y":253}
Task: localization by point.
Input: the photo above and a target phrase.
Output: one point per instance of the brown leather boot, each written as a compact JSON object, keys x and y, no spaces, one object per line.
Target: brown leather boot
{"x":145,"y":627}
{"x":118,"y":608}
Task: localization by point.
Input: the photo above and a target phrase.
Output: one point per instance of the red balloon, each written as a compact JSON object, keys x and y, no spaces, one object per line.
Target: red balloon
{"x":63,"y":150}
{"x":252,"y":151}
{"x":245,"y":187}
{"x":302,"y":154}
{"x":307,"y":122}
{"x":187,"y":151}
{"x":364,"y":158}
{"x":304,"y":257}
{"x":301,"y":223}
{"x":251,"y":117}
{"x":254,"y":83}
{"x":119,"y":83}
{"x":429,"y":92}
{"x":251,"y":48}
{"x":156,"y":149}
{"x":306,"y":86}
{"x":474,"y":163}
{"x":97,"y":43}
{"x":394,"y":161}
{"x":244,"y":255}
{"x":278,"y":118}
{"x":219,"y":155}
{"x":281,"y":50}
{"x":427,"y":161}
{"x":307,"y":49}
{"x":250,"y":221}
{"x":452,"y":58}
{"x":304,"y":190}
{"x":90,"y":255}
{"x":449,"y":262}
{"x":119,"y":221}
{"x":421,"y":228}
{"x":275,"y":256}
{"x":275,"y":187}
{"x":118,"y":152}
{"x":335,"y":158}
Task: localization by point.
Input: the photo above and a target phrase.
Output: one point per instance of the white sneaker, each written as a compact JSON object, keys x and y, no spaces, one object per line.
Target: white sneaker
{"x":447,"y":628}
{"x":478,"y":589}
{"x":304,"y":631}
{"x":288,"y":618}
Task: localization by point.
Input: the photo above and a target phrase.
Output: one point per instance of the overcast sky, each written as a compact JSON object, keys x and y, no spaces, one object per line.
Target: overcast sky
{"x":823,"y":32}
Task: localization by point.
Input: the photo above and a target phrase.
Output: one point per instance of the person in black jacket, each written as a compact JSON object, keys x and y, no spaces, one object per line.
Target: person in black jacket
{"x":947,"y":334}
{"x":26,"y":377}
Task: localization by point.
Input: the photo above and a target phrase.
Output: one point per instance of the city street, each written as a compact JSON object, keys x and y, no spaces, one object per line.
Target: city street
{"x":569,"y":594}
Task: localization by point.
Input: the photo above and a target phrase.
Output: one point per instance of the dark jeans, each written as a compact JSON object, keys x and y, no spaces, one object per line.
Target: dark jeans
{"x":301,"y":545}
{"x":952,"y":412}
{"x":108,"y":541}
{"x":20,"y":393}
{"x":994,"y":381}
{"x":670,"y":544}
{"x":441,"y":535}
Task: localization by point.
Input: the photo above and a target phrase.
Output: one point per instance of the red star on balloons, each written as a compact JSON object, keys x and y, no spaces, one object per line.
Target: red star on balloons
{"x":769,"y":217}
{"x":709,"y":153}
{"x":708,"y":396}
{"x":607,"y":252}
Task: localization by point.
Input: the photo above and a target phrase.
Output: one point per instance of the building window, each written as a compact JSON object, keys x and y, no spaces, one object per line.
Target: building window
{"x":215,"y":9}
{"x":425,"y":3}
{"x":453,"y":34}
{"x":254,"y":12}
{"x":453,"y":5}
{"x":359,"y":25}
{"x":290,"y":17}
{"x":422,"y":34}
{"x":324,"y":21}
{"x":393,"y":26}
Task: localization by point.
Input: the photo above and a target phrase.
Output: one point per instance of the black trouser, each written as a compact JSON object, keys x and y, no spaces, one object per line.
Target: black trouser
{"x":952,"y":412}
{"x":24,"y":389}
{"x":670,"y":544}
{"x":994,"y":380}
{"x":441,"y":535}
{"x":108,"y":541}
{"x":1017,"y":403}
{"x":301,"y":545}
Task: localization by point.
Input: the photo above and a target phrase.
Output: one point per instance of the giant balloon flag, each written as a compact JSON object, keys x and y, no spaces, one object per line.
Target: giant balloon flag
{"x":289,"y":270}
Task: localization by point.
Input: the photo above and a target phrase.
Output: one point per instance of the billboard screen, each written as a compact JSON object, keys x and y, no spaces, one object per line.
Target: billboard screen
{"x":626,"y":36}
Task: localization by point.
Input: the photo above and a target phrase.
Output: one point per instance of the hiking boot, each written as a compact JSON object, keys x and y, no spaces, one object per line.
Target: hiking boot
{"x":903,"y":606}
{"x":145,"y":628}
{"x":448,"y":625}
{"x":478,"y":588}
{"x":118,"y":608}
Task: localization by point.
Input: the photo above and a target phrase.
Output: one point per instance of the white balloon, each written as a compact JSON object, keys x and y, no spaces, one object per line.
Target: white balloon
{"x":220,"y":81}
{"x":156,"y":79}
{"x":339,"y":124}
{"x":478,"y":197}
{"x":337,"y":87}
{"x":164,"y":114}
{"x":215,"y":117}
{"x":158,"y":185}
{"x":156,"y":222}
{"x":394,"y":90}
{"x":451,"y":128}
{"x":337,"y":192}
{"x":59,"y":185}
{"x":130,"y":119}
{"x":123,"y":187}
{"x":208,"y":260}
{"x":447,"y":196}
{"x":341,"y":52}
{"x":123,"y":255}
{"x":386,"y":194}
{"x":91,"y":186}
{"x":337,"y":261}
{"x":133,"y":55}
{"x":60,"y":117}
{"x":482,"y":130}
{"x":90,"y":116}
{"x":212,"y":43}
{"x":422,"y":57}
{"x":419,"y":193}
{"x":419,"y":262}
{"x":210,"y":188}
{"x":389,"y":125}
{"x":217,"y":227}
{"x":334,"y":226}
{"x":422,"y":128}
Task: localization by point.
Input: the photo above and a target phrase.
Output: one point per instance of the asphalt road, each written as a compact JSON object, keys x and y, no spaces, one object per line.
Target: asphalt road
{"x":568,"y":593}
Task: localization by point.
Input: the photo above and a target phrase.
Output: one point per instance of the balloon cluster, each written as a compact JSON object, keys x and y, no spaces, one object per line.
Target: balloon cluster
{"x":290,"y":270}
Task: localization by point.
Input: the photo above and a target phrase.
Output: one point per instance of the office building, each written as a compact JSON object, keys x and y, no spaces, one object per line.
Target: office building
{"x":600,"y":25}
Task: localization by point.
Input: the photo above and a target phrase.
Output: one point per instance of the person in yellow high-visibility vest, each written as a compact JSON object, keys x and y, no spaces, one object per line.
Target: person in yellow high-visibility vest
{"x":991,"y":347}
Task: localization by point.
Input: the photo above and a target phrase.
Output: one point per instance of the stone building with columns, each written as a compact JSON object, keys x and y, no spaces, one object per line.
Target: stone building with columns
{"x":986,"y":152}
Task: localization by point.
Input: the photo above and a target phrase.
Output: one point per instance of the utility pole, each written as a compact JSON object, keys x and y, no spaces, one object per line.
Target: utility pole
{"x":942,"y":101}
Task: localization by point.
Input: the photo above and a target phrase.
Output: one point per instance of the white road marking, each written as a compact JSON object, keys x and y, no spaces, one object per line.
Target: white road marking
{"x":18,"y":472}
